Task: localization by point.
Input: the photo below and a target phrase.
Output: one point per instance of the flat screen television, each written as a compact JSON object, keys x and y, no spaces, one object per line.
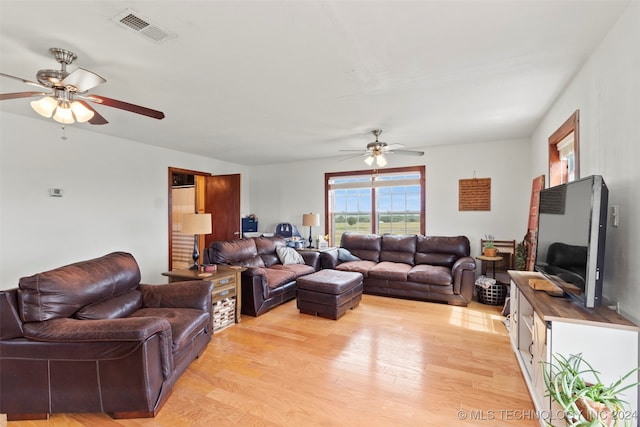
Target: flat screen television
{"x":571,"y":237}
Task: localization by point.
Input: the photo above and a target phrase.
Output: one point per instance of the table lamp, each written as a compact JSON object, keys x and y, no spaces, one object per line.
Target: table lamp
{"x":196,"y":224}
{"x":311,"y":220}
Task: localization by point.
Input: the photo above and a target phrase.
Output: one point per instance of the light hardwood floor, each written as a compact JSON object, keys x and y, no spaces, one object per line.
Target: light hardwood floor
{"x":389,"y":362}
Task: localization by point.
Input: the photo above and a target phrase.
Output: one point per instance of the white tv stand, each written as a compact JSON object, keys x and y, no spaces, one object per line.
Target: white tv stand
{"x":542,"y":325}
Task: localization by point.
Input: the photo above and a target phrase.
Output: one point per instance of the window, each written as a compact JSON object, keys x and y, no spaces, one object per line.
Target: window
{"x":382,"y":202}
{"x":564,"y":152}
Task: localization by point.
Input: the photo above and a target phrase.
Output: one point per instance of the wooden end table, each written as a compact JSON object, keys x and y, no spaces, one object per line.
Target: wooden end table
{"x":226,"y":283}
{"x":492,"y":260}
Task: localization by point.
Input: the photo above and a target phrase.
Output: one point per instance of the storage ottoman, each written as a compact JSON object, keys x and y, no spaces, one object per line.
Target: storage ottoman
{"x":328,"y":293}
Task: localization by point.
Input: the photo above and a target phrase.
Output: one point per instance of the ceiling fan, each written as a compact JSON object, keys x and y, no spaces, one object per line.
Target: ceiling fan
{"x":65,"y":97}
{"x":376,"y":150}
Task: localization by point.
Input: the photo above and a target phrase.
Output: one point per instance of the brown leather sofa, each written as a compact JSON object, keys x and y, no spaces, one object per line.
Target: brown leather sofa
{"x":267,"y":282}
{"x":88,"y":337}
{"x":408,"y":266}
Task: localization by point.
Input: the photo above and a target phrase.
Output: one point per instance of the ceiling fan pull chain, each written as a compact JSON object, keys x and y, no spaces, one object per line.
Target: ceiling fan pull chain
{"x":64,"y":134}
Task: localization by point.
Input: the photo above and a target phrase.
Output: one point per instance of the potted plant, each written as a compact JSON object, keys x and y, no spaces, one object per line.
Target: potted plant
{"x":586,"y":403}
{"x":520,"y":257}
{"x":489,"y":248}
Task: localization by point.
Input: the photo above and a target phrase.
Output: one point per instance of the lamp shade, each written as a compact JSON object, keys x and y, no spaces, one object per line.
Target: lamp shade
{"x":196,"y":223}
{"x":311,"y":220}
{"x":81,"y":113}
{"x":45,"y":106}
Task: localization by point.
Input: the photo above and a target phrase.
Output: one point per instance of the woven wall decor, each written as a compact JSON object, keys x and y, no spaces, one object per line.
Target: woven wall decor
{"x":474,"y":194}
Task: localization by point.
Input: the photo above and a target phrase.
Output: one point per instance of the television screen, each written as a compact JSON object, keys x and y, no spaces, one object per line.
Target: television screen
{"x":571,"y":237}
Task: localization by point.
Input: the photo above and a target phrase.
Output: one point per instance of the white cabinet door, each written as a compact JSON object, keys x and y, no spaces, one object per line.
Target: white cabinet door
{"x":539,"y":351}
{"x":610,"y":351}
{"x":514,"y":295}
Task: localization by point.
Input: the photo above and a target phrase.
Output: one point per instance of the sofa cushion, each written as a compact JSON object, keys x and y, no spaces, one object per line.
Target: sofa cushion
{"x":266,"y":247}
{"x":277,"y":277}
{"x":390,"y":271}
{"x":185,"y":323}
{"x":63,"y":291}
{"x":297,"y":269}
{"x":289,"y":255}
{"x":357,"y":266}
{"x":241,"y":252}
{"x":444,"y":260}
{"x":364,"y":246}
{"x":457,"y":245}
{"x":398,"y":248}
{"x":113,"y":308}
{"x":430,"y":274}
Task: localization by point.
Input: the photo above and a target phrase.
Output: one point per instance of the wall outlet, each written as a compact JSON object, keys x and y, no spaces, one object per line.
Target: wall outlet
{"x":55,"y":192}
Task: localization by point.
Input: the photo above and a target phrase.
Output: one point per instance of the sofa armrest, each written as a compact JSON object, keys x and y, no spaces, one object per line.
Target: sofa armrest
{"x":329,"y":259}
{"x":189,"y":294}
{"x":254,"y":272}
{"x":311,"y":258}
{"x":463,"y":272}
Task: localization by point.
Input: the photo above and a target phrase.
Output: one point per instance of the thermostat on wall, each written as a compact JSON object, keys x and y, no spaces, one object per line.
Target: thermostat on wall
{"x":55,"y":192}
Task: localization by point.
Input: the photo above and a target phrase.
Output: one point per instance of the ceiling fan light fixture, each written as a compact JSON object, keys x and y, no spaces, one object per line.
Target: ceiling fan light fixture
{"x":80,"y":112}
{"x":369,"y":160}
{"x":381,"y":161}
{"x":63,"y":113}
{"x":45,"y":106}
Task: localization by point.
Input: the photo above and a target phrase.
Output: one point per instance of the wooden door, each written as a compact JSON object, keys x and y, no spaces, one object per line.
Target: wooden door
{"x":531,"y":239}
{"x":222,"y":200}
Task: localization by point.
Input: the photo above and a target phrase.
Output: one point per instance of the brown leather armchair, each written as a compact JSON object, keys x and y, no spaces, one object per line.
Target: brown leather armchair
{"x":88,"y":337}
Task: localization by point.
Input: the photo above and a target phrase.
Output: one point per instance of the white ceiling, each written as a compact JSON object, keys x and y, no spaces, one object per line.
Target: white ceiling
{"x":264,"y":82}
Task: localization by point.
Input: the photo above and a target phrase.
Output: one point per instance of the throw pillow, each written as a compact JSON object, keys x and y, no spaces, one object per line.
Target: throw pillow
{"x":289,"y":255}
{"x":344,"y":255}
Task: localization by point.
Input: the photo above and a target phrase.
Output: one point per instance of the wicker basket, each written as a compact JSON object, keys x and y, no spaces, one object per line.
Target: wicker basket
{"x":224,"y":313}
{"x":493,"y":295}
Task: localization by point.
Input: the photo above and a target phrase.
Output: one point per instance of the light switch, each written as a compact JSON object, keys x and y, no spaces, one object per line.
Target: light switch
{"x":615,"y":215}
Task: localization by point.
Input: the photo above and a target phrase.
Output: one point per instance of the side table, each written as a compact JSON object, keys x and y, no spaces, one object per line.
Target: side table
{"x":492,"y":260}
{"x":226,"y":284}
{"x":494,"y":294}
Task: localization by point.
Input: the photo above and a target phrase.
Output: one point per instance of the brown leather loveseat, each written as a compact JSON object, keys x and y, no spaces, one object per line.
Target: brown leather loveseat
{"x":431,"y":268}
{"x":88,"y":337}
{"x":268,"y":281}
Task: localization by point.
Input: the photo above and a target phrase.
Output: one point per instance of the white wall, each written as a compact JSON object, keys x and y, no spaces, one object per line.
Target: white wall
{"x":607,"y":93}
{"x":282,"y":193}
{"x":115,"y":197}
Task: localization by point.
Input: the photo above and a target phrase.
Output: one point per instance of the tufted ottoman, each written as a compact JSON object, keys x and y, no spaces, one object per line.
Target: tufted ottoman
{"x":329,"y":293}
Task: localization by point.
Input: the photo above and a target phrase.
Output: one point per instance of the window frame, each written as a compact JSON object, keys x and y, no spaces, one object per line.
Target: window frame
{"x":374,"y":202}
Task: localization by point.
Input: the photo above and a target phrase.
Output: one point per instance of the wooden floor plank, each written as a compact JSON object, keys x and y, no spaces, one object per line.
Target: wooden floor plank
{"x":389,"y":362}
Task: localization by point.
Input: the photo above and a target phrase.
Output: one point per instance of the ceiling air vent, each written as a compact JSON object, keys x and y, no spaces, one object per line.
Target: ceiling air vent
{"x":141,"y":25}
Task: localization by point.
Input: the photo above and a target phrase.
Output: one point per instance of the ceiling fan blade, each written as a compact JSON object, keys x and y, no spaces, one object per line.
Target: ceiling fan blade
{"x":16,"y":95}
{"x":97,"y":119}
{"x":393,"y":146}
{"x":353,"y":156}
{"x":407,"y":152}
{"x":355,"y":151}
{"x":83,"y":80}
{"x":126,"y":106}
{"x":29,"y":82}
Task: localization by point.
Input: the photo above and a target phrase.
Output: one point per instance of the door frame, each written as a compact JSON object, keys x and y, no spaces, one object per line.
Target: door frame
{"x":173,"y":170}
